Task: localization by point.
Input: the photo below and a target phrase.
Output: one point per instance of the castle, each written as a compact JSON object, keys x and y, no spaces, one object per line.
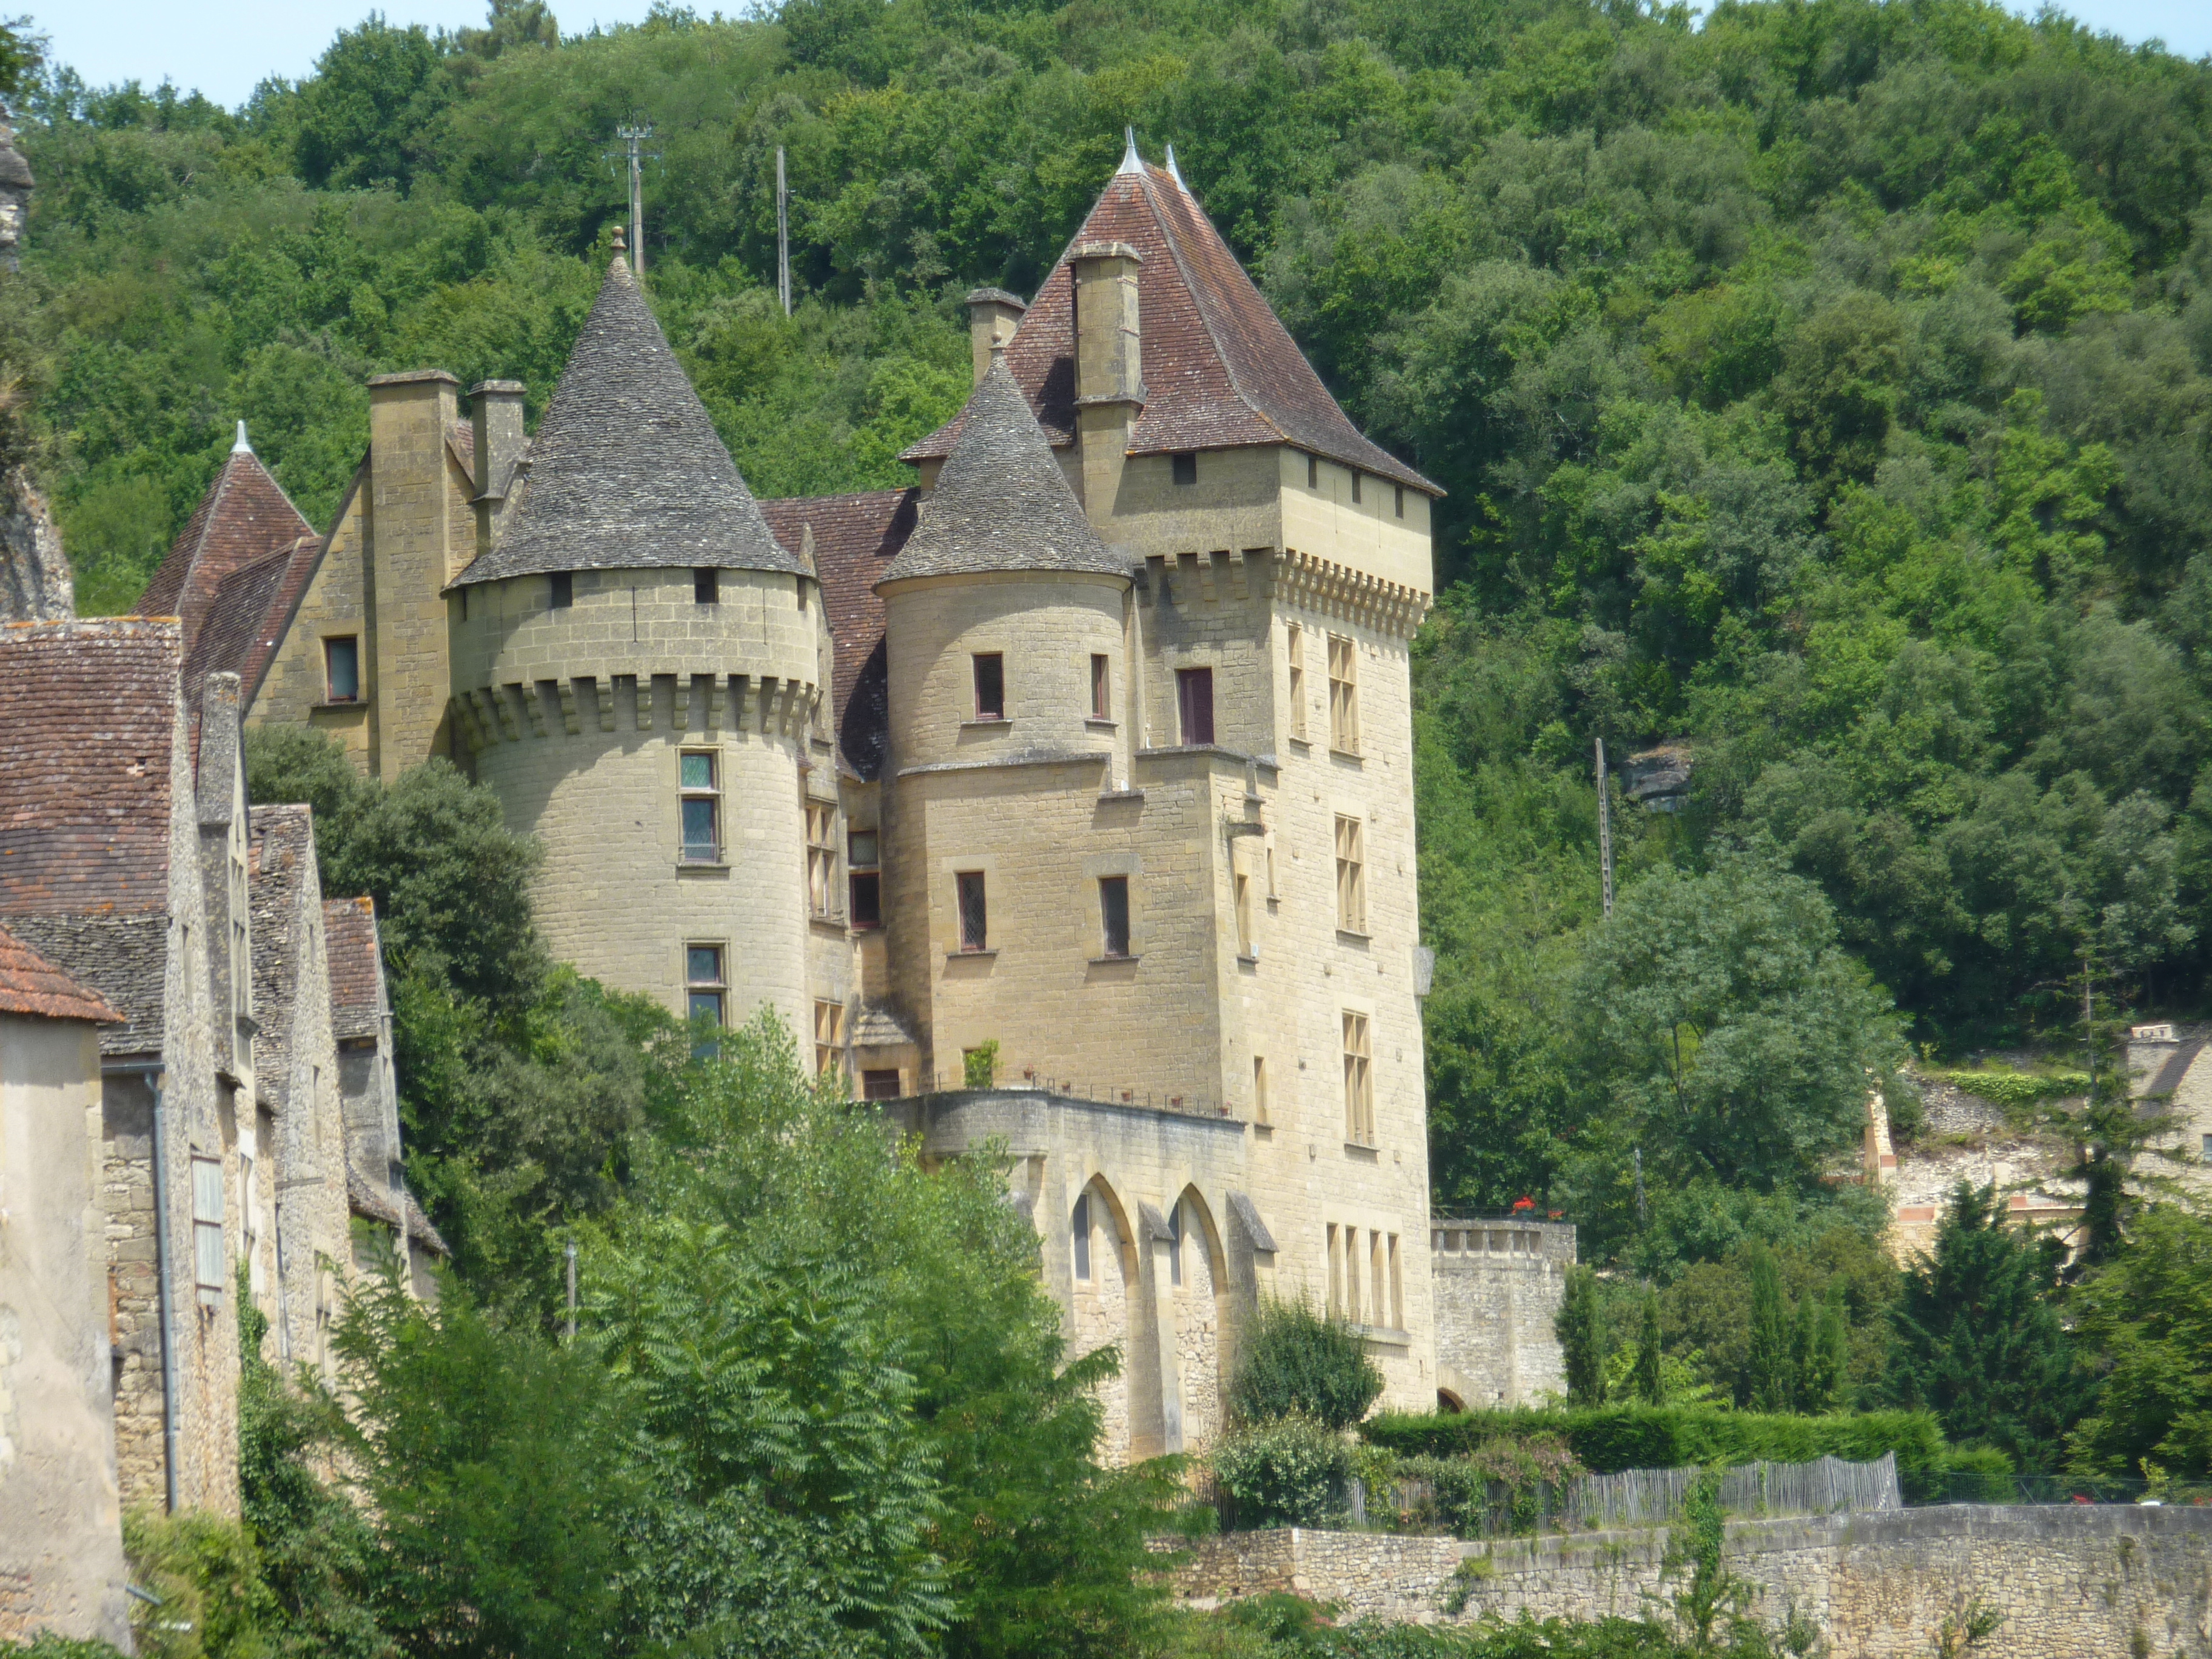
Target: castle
{"x":1063,"y":799}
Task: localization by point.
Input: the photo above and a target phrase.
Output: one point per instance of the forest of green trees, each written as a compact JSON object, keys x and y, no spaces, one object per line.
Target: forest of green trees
{"x":1824,"y":385}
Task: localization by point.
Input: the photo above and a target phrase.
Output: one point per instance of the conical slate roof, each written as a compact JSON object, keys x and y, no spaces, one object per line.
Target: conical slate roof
{"x":626,"y":471}
{"x":1001,"y":502}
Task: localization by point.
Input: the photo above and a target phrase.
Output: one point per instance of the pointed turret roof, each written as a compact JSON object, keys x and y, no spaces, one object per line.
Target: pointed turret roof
{"x":1001,"y":501}
{"x":1220,"y":370}
{"x":627,"y":470}
{"x":244,"y":518}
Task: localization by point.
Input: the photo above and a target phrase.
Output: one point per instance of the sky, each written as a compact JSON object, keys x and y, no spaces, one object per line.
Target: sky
{"x":225,"y":51}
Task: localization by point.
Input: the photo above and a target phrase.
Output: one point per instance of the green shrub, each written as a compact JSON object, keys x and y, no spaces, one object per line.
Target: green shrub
{"x":1610,"y":1438}
{"x":979,"y":1066}
{"x":1289,"y":1472}
{"x":2016,"y":1090}
{"x":1499,"y":1488}
{"x":1964,"y":1474}
{"x":1298,"y":1363}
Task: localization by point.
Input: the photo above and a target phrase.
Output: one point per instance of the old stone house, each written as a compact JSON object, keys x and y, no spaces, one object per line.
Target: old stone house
{"x":61,"y":1542}
{"x":1086,"y":760}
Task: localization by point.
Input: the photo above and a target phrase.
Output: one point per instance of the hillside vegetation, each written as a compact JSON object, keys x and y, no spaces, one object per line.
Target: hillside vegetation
{"x":1826,"y":385}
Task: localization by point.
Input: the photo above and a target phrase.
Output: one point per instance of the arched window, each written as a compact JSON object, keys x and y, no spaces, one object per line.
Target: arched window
{"x":1080,"y":1230}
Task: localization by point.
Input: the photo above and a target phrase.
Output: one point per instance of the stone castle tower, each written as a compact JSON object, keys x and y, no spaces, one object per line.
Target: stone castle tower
{"x":1088,"y":759}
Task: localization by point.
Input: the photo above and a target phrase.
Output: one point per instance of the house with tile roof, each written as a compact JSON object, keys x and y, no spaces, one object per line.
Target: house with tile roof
{"x":1081,"y":769}
{"x":61,"y":1539}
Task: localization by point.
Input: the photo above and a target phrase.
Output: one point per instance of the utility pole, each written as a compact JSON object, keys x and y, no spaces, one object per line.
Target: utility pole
{"x":1605,"y":829}
{"x":633,"y":139}
{"x":571,"y":1290}
{"x":782,"y":235}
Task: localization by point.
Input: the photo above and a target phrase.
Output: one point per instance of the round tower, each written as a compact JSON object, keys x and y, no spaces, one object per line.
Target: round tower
{"x":1008,"y":627}
{"x":638,"y":668}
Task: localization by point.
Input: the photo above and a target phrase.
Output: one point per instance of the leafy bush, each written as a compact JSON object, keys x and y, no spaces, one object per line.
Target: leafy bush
{"x":1286,"y":1472}
{"x":1499,"y":1487}
{"x":1298,"y":1363}
{"x":1615,"y":1437}
{"x":2016,"y":1090}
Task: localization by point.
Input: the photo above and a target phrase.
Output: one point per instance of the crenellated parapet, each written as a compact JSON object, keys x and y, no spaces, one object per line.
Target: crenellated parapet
{"x":1310,"y":582}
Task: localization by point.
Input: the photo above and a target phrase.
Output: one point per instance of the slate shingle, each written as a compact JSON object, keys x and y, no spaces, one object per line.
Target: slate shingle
{"x":29,"y":984}
{"x":1220,"y":371}
{"x":627,"y":470}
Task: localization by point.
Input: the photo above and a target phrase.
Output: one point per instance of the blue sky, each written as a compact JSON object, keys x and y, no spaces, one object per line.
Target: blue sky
{"x":224,"y":50}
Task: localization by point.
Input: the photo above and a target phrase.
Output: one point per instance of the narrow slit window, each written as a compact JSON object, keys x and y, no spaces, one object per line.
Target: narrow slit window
{"x":821,"y":856}
{"x":342,"y":669}
{"x":1399,"y":505}
{"x":1351,"y":876}
{"x":1078,"y":1231}
{"x":1397,"y":1289}
{"x":1241,"y":896}
{"x":1358,"y":1081}
{"x":1186,"y":469}
{"x":1113,"y":913}
{"x":1378,"y":1300}
{"x":1335,"y":1277}
{"x":207,"y":1253}
{"x":1294,"y":639}
{"x":1313,"y":472}
{"x":560,"y":590}
{"x":707,"y":585}
{"x":990,"y":686}
{"x":700,"y":785}
{"x":1355,"y":487}
{"x":1259,"y":1088}
{"x":1174,"y":1244}
{"x":1195,"y":697}
{"x":1101,"y":688}
{"x":828,"y":1039}
{"x":1343,"y":695}
{"x":974,"y":916}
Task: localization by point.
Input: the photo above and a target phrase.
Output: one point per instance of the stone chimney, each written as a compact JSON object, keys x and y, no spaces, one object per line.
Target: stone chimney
{"x":419,"y":540}
{"x":993,"y":314}
{"x":497,"y":418}
{"x":1109,"y":381}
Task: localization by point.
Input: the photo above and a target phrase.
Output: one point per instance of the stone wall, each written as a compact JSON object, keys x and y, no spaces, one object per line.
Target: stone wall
{"x":2070,"y":1582}
{"x":1498,"y":1285}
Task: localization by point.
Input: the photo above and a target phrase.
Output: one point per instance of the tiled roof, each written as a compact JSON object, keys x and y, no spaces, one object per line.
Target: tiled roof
{"x":29,"y":984}
{"x":370,"y":1199}
{"x":125,"y":958}
{"x":627,"y":470}
{"x":855,"y":538}
{"x":280,"y":861}
{"x":244,"y":518}
{"x":238,"y":634}
{"x":88,"y":713}
{"x":1001,"y":501}
{"x":1220,"y":371}
{"x":356,"y":967}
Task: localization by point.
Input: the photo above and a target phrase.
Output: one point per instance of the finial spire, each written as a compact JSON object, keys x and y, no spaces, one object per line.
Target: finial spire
{"x":1175,"y":173}
{"x":622,"y":249}
{"x":241,"y":447}
{"x":1131,"y":161}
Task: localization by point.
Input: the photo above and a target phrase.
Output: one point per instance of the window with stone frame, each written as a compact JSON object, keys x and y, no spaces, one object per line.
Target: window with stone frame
{"x":881,"y":1083}
{"x":1351,"y":876}
{"x":1358,"y":1081}
{"x":829,"y":1038}
{"x":1113,"y":915}
{"x":1397,"y":1289}
{"x":1335,"y":1274}
{"x":1195,"y":702}
{"x":1079,"y":1236}
{"x":974,"y":911}
{"x":699,"y":786}
{"x":1343,"y":695}
{"x":821,"y":858}
{"x":1294,"y":638}
{"x":1259,"y":1089}
{"x":703,"y":983}
{"x":864,"y":880}
{"x":990,"y":668}
{"x":1102,"y":687}
{"x":1248,"y":950}
{"x":342,"y":669}
{"x":210,"y":1272}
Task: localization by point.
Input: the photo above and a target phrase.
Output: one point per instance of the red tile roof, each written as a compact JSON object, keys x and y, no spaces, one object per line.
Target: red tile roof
{"x":243,"y":626}
{"x":87,"y":709}
{"x":29,"y":984}
{"x":1220,"y":370}
{"x":356,"y":967}
{"x":855,"y":538}
{"x":244,"y":518}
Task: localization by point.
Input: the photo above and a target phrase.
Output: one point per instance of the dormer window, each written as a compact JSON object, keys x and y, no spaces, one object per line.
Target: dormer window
{"x":1186,"y":469}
